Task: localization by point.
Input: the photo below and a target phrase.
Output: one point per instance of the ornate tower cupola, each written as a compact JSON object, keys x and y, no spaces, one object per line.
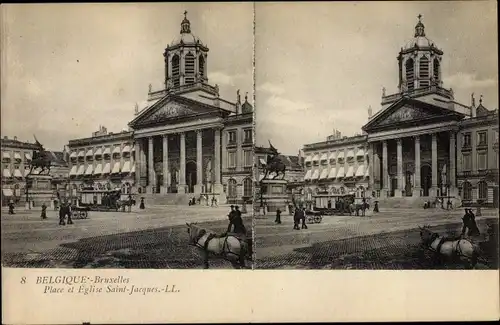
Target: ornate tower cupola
{"x":419,"y":62}
{"x":185,"y":59}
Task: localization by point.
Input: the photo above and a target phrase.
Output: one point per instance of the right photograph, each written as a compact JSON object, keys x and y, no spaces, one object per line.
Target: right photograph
{"x":376,"y":136}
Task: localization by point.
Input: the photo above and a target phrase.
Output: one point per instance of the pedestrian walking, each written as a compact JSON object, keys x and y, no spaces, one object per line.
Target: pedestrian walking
{"x":363,"y":208}
{"x":43,"y":215}
{"x":65,"y":210}
{"x":469,"y":222}
{"x":11,"y":207}
{"x":278,"y":216}
{"x":303,"y":217}
{"x":142,"y":206}
{"x":375,"y":208}
{"x":296,"y":218}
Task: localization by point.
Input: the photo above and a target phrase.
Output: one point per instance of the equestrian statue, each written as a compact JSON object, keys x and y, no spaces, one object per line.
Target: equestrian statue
{"x":40,"y":164}
{"x":274,"y":164}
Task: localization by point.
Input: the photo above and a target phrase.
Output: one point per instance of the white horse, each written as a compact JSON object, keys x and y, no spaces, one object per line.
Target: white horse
{"x":209,"y":244}
{"x":449,"y":248}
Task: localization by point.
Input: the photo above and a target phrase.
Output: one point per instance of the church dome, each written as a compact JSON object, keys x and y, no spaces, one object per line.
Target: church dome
{"x":185,"y":36}
{"x":419,"y":39}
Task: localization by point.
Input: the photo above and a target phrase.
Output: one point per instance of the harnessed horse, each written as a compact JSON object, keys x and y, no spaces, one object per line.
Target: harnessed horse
{"x":450,"y":248}
{"x":208,"y":243}
{"x":121,"y":204}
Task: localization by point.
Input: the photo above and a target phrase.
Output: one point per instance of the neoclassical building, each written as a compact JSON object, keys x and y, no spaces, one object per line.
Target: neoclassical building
{"x":421,"y":143}
{"x":187,"y":141}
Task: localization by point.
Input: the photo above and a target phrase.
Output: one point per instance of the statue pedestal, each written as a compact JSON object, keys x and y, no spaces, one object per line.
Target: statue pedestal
{"x":273,"y":194}
{"x":40,"y":191}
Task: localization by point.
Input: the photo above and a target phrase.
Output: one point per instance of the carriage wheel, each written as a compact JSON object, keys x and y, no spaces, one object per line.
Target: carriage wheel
{"x":85,"y":215}
{"x":317,"y":219}
{"x":310,"y":219}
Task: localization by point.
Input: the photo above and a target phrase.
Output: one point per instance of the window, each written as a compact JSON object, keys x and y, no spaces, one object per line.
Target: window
{"x":424,"y":67}
{"x":482,"y":162}
{"x":247,"y":187}
{"x":201,"y":66}
{"x":467,"y":191}
{"x":189,"y":68}
{"x":248,"y":157}
{"x":467,"y":162}
{"x":483,"y":190}
{"x":231,"y":159}
{"x":248,"y":135}
{"x":436,"y":70}
{"x":231,"y":137}
{"x":410,"y":74}
{"x":481,"y":138}
{"x":466,"y":140}
{"x":231,"y":188}
{"x":176,"y":70}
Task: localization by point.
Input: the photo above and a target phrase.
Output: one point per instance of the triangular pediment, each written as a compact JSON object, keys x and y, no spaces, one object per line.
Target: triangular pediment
{"x":407,"y":112}
{"x":173,"y":108}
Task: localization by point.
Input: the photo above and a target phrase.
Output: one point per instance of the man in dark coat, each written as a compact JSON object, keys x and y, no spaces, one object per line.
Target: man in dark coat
{"x":44,"y":212}
{"x":65,"y":210}
{"x":469,"y":222}
{"x":236,"y":223}
{"x":278,"y":216}
{"x":303,"y":217}
{"x":296,"y":218}
{"x":11,"y":207}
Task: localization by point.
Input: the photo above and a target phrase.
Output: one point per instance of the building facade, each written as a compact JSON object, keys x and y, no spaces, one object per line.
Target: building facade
{"x":418,"y":143}
{"x":16,"y":162}
{"x":186,"y":141}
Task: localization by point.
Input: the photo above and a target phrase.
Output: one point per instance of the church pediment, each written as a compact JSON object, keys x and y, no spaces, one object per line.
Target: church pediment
{"x":407,"y":112}
{"x":172,"y":109}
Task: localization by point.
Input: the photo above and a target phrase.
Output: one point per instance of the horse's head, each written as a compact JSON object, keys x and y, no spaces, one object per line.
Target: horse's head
{"x":426,"y":235}
{"x":194,"y":232}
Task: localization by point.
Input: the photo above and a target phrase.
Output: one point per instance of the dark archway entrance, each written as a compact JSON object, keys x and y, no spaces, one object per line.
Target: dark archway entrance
{"x":426,"y":179}
{"x":190,"y":176}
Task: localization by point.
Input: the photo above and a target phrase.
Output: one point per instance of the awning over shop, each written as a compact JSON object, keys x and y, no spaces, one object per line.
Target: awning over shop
{"x":360,"y":172}
{"x":126,"y":167}
{"x":132,"y":170}
{"x":324,"y":174}
{"x":350,"y":172}
{"x":6,"y":173}
{"x":98,"y":169}
{"x":116,"y":168}
{"x":5,"y":155}
{"x":98,"y":152}
{"x":308,"y":175}
{"x":315,"y":158}
{"x":106,"y":169}
{"x":332,"y":156}
{"x":26,"y":171}
{"x":333,"y":173}
{"x":116,"y":150}
{"x":315,"y":174}
{"x":17,"y":173}
{"x":126,"y":149}
{"x":89,"y":170}
{"x":80,"y":170}
{"x":308,"y":159}
{"x":27,"y":156}
{"x":341,"y":173}
{"x":7,"y":192}
{"x":340,"y":155}
{"x":73,"y":154}
{"x":324,"y":157}
{"x":360,"y":153}
{"x":81,"y":153}
{"x":17,"y":156}
{"x":89,"y":153}
{"x":107,"y":151}
{"x":350,"y":154}
{"x":72,"y":172}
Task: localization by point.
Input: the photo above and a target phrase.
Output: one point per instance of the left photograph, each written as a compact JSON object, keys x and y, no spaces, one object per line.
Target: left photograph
{"x":127,"y":136}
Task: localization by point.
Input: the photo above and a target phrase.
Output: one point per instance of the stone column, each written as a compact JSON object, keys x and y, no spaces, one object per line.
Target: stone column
{"x":151,"y":171}
{"x":371,"y":173}
{"x":452,"y":169}
{"x":182,"y":187}
{"x":417,"y":185}
{"x":217,"y":166}
{"x":385,"y":175}
{"x":142,"y":159}
{"x":433,"y":191}
{"x":165,"y":164}
{"x":199,"y":162}
{"x":399,"y":190}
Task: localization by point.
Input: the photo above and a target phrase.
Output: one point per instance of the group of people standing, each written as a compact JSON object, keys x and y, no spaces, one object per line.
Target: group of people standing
{"x":299,"y":215}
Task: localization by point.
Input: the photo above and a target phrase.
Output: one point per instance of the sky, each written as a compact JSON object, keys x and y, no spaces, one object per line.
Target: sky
{"x":68,"y":68}
{"x":319,"y":66}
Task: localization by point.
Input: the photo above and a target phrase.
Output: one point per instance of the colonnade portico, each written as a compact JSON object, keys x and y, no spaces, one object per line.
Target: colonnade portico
{"x":146,"y":175}
{"x":406,"y":178}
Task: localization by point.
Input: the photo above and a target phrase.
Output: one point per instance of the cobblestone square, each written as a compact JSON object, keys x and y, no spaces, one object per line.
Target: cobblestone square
{"x":151,"y":238}
{"x":387,"y":240}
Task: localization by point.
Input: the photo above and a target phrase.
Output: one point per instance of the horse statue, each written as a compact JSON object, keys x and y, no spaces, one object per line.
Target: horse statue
{"x":448,"y":248}
{"x":40,"y":159}
{"x":208,"y":244}
{"x":274,"y":164}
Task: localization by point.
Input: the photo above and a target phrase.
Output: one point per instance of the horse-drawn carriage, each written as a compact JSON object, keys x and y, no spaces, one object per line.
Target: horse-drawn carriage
{"x":80,"y":212}
{"x":105,"y":200}
{"x":314,"y":216}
